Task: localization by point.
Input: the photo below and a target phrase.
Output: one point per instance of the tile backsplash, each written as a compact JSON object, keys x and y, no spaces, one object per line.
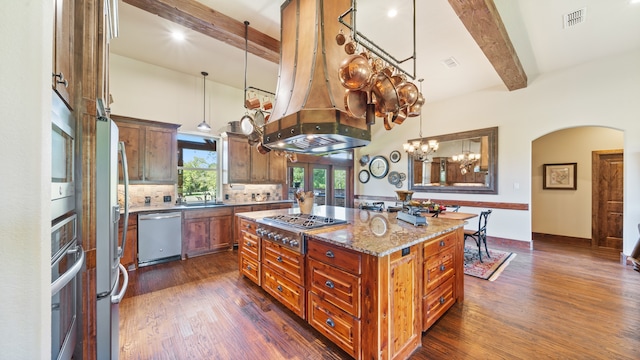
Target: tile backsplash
{"x":137,"y":194}
{"x":244,"y":193}
{"x":234,"y":193}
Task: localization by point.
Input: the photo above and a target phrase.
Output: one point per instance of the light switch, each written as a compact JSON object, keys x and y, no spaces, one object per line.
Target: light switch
{"x":516,"y":186}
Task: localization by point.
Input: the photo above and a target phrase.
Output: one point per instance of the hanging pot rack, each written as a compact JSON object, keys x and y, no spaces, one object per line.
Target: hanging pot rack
{"x":246,"y":52}
{"x":368,"y":44}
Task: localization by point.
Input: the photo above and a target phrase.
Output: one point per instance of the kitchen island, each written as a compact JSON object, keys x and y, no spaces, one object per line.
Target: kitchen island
{"x":371,"y":285}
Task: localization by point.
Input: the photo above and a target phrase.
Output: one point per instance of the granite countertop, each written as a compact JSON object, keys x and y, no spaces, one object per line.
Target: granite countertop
{"x":172,"y":206}
{"x":369,"y":232}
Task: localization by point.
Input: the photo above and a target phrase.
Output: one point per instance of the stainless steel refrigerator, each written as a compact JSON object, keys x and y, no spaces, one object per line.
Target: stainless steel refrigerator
{"x":111,"y":276}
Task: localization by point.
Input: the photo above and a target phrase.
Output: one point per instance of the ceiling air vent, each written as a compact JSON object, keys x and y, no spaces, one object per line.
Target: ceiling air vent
{"x":574,"y":18}
{"x":450,"y":62}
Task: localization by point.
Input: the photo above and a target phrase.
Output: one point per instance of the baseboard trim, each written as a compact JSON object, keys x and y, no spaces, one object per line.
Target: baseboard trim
{"x":568,"y":240}
{"x":510,"y":243}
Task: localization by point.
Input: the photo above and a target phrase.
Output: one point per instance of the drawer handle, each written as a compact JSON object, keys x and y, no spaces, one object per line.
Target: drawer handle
{"x":442,"y":300}
{"x":279,"y":288}
{"x":442,"y":243}
{"x":330,"y":323}
{"x":249,"y":267}
{"x":330,"y":254}
{"x":442,"y":267}
{"x":329,"y":284}
{"x":279,"y":258}
{"x":248,"y":226}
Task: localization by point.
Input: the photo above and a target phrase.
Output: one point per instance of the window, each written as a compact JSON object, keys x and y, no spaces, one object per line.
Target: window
{"x":197,"y":168}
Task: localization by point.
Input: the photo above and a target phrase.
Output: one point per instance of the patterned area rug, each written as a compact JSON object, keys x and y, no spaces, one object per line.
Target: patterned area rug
{"x":491,"y":268}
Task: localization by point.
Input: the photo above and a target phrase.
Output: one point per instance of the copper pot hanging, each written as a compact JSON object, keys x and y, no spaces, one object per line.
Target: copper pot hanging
{"x":355,"y":72}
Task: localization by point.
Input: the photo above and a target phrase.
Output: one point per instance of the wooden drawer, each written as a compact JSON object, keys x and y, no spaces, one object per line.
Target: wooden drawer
{"x":438,"y":244}
{"x":335,"y":286}
{"x":250,"y":268}
{"x":437,"y":302}
{"x":248,"y":226}
{"x":251,"y":245}
{"x":205,"y":213}
{"x":336,"y":256}
{"x":283,"y":261}
{"x":438,"y":269}
{"x":340,"y":327}
{"x":284,"y":290}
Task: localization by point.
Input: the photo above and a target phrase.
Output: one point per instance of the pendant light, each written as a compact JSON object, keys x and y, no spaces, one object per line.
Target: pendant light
{"x":203,"y":126}
{"x":246,"y":122}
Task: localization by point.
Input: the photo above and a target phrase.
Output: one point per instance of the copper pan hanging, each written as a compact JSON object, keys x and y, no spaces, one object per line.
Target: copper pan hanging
{"x":355,"y":72}
{"x":355,"y":102}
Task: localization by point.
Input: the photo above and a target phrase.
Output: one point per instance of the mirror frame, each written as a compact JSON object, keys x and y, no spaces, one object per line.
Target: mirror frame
{"x":492,"y":174}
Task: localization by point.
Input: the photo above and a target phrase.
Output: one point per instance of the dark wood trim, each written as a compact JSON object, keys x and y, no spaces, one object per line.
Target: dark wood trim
{"x":197,"y":16}
{"x":477,"y":204}
{"x":133,"y":120}
{"x":482,"y":20}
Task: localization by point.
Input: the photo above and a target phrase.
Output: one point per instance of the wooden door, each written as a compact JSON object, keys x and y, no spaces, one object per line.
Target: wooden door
{"x":607,"y":197}
{"x":220,"y":232}
{"x":196,"y":239}
{"x":239,"y":160}
{"x":133,"y":137}
{"x":161,"y":156}
{"x":259,"y":166}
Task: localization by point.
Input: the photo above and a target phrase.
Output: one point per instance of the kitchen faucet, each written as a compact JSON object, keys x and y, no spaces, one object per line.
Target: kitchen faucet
{"x":205,"y":196}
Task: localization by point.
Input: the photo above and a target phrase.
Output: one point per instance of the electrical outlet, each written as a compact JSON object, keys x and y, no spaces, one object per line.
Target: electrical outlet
{"x":167,"y":198}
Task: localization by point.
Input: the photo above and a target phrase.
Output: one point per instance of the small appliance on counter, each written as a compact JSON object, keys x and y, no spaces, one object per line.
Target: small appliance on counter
{"x":376,"y":206}
{"x":409,"y":213}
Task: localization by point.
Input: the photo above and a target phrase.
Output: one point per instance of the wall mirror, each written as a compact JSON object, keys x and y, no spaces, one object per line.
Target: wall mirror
{"x":465,"y":162}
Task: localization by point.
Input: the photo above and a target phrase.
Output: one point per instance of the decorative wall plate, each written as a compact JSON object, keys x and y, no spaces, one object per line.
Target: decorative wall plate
{"x":395,"y":156}
{"x":393,"y":177}
{"x":403,"y":176}
{"x":364,"y":160}
{"x":363,"y":176}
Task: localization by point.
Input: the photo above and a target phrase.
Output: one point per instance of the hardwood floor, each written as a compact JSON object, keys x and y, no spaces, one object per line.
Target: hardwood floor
{"x":555,"y":302}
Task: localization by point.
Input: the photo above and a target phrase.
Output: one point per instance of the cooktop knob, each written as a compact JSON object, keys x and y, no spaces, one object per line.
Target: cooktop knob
{"x":277,"y":237}
{"x":285,"y":240}
{"x":293,"y":243}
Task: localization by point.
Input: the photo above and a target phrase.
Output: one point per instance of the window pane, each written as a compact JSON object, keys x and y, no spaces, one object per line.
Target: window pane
{"x":339,"y":187}
{"x":319,"y":186}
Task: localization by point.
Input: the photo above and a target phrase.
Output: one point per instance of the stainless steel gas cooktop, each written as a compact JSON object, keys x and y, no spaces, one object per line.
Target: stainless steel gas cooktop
{"x":304,"y":221}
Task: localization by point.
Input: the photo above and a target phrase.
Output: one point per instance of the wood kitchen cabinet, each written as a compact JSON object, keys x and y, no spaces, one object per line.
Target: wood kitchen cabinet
{"x":439,"y":275}
{"x":63,"y":39}
{"x":249,"y":251}
{"x":206,"y":230}
{"x":247,"y":165}
{"x":151,"y":149}
{"x":130,"y":255}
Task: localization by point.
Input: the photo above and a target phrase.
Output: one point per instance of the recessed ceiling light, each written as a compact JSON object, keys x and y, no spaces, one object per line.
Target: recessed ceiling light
{"x":177,"y":35}
{"x":392,"y":13}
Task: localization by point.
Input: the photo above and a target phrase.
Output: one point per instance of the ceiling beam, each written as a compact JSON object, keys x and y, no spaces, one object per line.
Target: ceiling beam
{"x":482,"y":20}
{"x":198,"y":17}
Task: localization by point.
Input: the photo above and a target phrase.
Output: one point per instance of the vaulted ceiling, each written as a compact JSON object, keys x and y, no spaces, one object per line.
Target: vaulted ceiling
{"x":500,"y":43}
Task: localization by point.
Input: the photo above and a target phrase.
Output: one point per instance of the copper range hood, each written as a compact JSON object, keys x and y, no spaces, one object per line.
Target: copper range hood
{"x":309,"y":114}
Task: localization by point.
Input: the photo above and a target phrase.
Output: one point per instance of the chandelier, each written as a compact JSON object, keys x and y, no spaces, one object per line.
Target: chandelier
{"x":419,"y":150}
{"x":466,"y":159}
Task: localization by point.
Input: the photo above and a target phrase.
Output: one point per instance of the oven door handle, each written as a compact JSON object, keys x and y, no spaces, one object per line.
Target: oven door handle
{"x":115,"y":299}
{"x":70,"y":274}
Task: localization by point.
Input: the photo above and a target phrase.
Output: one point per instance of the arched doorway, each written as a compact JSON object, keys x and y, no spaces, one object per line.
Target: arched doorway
{"x":577,"y":216}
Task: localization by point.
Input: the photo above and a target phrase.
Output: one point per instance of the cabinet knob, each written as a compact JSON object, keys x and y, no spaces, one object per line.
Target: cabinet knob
{"x":249,"y":267}
{"x":330,"y":254}
{"x":279,"y":288}
{"x":329,"y":284}
{"x":279,"y":258}
{"x":442,"y":267}
{"x":442,"y":243}
{"x":248,"y":244}
{"x":330,"y":323}
{"x":442,"y":300}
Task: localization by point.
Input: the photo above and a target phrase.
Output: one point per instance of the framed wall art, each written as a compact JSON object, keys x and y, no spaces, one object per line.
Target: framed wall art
{"x":560,"y":176}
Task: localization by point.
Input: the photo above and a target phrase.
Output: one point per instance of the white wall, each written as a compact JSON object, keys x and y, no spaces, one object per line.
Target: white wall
{"x":150,"y":92}
{"x":25,"y":103}
{"x":549,"y":208}
{"x":600,"y":93}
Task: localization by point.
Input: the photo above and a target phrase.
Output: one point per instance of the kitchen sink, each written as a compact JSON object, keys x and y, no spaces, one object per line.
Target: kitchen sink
{"x":201,"y":204}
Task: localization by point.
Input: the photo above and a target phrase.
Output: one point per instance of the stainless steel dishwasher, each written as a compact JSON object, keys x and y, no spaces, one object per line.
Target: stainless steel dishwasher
{"x":159,"y":237}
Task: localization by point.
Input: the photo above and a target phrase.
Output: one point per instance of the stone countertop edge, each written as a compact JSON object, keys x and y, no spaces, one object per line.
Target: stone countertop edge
{"x":358,"y":235}
{"x":172,"y":206}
